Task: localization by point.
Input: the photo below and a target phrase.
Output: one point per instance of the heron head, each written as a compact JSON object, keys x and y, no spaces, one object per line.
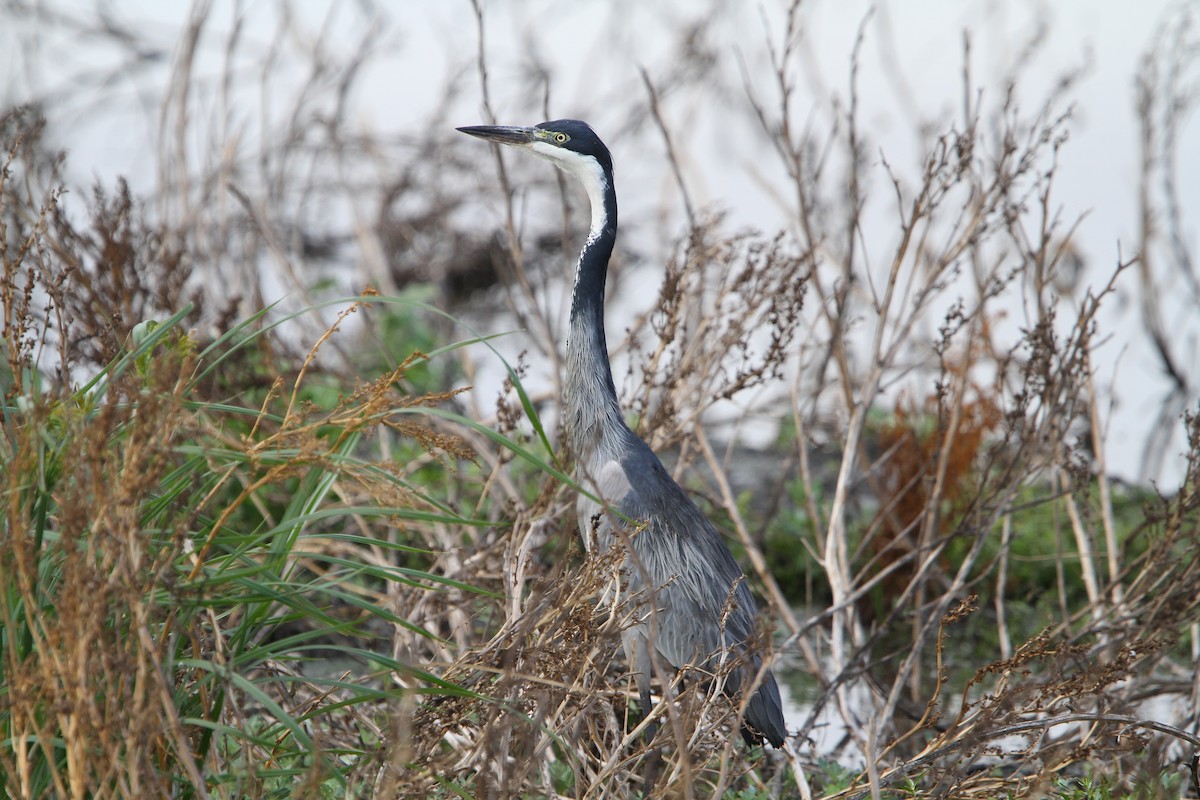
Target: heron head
{"x":570,"y":143}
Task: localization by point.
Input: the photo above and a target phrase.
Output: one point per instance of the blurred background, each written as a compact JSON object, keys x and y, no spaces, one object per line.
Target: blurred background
{"x":906,"y":294}
{"x":337,"y":121}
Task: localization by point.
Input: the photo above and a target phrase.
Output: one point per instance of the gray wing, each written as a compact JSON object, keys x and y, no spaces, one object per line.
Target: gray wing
{"x":701,"y":603}
{"x":698,"y":589}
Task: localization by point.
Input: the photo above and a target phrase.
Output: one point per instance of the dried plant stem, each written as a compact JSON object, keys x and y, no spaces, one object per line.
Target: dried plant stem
{"x":778,"y":602}
{"x":1087,"y":555}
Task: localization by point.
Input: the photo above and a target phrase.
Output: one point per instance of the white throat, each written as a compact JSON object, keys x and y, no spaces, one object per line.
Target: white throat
{"x":588,"y":170}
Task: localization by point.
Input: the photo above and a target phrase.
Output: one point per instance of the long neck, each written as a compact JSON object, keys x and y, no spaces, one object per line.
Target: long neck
{"x":594,"y":423}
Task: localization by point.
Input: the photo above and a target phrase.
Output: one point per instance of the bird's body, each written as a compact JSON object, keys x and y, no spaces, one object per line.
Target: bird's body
{"x":702,"y":608}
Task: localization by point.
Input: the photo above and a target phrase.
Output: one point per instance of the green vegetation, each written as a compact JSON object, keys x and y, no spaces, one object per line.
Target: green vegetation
{"x":256,"y":550}
{"x":172,"y":563}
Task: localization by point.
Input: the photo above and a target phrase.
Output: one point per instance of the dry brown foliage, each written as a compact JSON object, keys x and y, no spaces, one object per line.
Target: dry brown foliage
{"x":974,"y":621}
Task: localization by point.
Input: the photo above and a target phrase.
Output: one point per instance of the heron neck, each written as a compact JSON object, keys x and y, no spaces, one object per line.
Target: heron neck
{"x":594,"y":423}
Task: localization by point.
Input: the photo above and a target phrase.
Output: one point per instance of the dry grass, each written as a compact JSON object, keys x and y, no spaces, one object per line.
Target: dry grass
{"x":230,"y":567}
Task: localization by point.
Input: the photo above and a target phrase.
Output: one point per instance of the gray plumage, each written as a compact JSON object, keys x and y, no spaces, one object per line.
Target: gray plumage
{"x":702,"y":607}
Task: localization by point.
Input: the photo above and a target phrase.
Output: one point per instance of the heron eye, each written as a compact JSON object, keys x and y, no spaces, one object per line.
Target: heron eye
{"x":560,"y":137}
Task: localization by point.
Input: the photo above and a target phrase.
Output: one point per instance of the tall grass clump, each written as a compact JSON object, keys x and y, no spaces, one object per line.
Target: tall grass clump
{"x":255,"y":551}
{"x":172,"y":561}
